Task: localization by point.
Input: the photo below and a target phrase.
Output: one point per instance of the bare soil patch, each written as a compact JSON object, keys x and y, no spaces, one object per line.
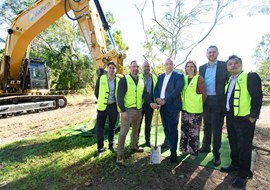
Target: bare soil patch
{"x":27,"y":125}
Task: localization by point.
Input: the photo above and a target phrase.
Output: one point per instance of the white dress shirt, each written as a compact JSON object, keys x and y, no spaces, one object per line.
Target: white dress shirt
{"x":164,"y":85}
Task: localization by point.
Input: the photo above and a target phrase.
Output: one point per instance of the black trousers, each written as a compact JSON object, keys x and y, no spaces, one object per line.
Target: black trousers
{"x":111,"y":112}
{"x":147,"y":113}
{"x":240,"y":134}
{"x":213,"y":118}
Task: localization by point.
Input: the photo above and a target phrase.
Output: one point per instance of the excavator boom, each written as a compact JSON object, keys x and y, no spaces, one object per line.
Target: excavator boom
{"x":16,"y":68}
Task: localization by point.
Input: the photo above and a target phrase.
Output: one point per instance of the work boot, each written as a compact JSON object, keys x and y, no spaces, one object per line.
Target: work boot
{"x":136,"y":148}
{"x":120,"y":160}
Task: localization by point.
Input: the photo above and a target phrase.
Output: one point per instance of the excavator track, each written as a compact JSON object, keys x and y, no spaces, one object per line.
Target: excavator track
{"x":20,"y":104}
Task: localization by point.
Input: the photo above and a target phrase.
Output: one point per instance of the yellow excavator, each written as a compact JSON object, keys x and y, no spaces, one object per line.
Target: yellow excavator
{"x":24,"y":80}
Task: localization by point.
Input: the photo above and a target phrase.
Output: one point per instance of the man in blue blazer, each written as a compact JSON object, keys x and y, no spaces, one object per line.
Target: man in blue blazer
{"x":168,"y":96}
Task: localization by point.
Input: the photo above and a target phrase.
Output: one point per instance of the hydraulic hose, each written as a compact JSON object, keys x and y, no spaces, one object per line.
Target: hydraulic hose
{"x":66,"y":12}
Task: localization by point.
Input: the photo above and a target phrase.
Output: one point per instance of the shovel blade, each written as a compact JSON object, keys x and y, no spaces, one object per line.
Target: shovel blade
{"x":155,"y":155}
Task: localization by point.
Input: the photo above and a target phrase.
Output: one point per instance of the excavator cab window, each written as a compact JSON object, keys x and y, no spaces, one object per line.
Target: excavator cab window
{"x":38,"y":74}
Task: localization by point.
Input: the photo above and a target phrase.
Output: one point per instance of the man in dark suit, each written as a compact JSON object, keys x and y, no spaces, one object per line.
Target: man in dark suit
{"x":215,"y":75}
{"x":243,"y":105}
{"x":168,"y":96}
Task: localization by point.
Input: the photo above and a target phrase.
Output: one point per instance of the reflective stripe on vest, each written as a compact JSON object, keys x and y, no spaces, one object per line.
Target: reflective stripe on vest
{"x":241,"y":98}
{"x":133,"y":97}
{"x":104,"y":92}
{"x":192,"y":102}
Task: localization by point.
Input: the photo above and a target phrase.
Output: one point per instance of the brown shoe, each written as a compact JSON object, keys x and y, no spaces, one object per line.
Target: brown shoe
{"x":120,"y":160}
{"x":137,"y":149}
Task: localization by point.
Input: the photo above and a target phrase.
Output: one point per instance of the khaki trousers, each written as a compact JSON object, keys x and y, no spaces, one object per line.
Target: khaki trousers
{"x":133,"y":117}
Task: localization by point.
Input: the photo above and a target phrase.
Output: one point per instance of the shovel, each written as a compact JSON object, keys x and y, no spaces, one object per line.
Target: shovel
{"x":155,"y":155}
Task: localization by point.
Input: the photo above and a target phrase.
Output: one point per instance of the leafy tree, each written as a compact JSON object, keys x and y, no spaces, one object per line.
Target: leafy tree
{"x":172,"y":34}
{"x":117,"y":34}
{"x":262,"y":57}
{"x":59,"y":46}
{"x":9,"y":8}
{"x":1,"y":52}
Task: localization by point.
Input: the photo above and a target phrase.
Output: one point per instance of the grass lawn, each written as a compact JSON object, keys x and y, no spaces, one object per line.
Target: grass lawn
{"x":66,"y":158}
{"x":56,"y":160}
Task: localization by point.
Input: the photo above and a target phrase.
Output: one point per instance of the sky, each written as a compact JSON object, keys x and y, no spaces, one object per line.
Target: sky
{"x":238,"y":35}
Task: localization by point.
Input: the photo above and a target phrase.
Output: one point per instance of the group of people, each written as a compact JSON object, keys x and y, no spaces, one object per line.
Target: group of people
{"x":219,"y":89}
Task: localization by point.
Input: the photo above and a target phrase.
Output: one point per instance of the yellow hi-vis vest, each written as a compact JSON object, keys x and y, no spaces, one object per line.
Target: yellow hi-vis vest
{"x":192,"y":102}
{"x":241,"y":98}
{"x":154,"y":80}
{"x":104,"y":92}
{"x":133,"y":97}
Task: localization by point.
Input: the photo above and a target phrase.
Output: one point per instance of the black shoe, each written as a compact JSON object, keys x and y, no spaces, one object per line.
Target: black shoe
{"x":147,"y":143}
{"x":250,"y":175}
{"x":173,"y":159}
{"x":204,"y":150}
{"x":229,"y":169}
{"x":111,"y":149}
{"x":239,"y":182}
{"x":216,"y":161}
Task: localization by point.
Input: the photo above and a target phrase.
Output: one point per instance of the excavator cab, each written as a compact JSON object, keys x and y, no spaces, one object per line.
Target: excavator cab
{"x":34,"y":74}
{"x":38,"y":75}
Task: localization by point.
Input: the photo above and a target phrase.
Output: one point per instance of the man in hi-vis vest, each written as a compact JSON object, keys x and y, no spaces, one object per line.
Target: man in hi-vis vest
{"x":105,"y":92}
{"x":150,"y":81}
{"x":243,"y":103}
{"x":130,"y":96}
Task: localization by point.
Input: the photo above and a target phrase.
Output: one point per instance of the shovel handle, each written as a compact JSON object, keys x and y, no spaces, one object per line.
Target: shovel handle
{"x":156,"y":127}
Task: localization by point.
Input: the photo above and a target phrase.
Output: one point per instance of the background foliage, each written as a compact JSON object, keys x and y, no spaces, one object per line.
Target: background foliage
{"x":262,"y":57}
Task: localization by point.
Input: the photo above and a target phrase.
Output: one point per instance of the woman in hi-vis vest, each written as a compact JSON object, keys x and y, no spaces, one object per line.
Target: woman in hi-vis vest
{"x":193,"y":97}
